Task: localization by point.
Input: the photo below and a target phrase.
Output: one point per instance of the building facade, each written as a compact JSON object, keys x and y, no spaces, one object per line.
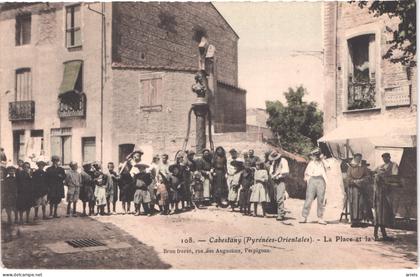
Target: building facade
{"x":370,"y":103}
{"x":93,"y":81}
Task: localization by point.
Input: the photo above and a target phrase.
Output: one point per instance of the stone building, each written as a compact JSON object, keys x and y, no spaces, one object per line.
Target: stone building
{"x":92,"y":81}
{"x":370,"y":103}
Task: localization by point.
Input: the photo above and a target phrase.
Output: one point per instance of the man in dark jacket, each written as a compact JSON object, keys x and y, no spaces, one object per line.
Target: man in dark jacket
{"x":55,"y":179}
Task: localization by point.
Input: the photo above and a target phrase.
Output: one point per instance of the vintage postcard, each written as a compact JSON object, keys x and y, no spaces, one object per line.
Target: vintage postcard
{"x":208,"y":135}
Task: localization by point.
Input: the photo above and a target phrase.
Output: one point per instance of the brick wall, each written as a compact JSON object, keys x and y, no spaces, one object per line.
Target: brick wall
{"x":350,"y":17}
{"x":230,"y":109}
{"x":161,"y":35}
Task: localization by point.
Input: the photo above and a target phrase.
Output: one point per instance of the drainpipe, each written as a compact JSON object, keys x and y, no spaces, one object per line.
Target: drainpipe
{"x":102,"y":72}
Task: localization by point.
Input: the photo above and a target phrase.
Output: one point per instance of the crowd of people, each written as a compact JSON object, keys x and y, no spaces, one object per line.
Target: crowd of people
{"x":240,"y":182}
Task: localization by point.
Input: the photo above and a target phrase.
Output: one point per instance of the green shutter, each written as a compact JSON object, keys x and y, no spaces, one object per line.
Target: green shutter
{"x":71,"y":73}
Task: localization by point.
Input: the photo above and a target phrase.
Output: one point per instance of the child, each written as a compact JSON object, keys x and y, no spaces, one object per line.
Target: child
{"x":40,"y":187}
{"x":175,"y":186}
{"x":87,"y":190}
{"x":162,"y":194}
{"x":73,"y":182}
{"x":112,"y":188}
{"x":126,"y":188}
{"x":25,"y":199}
{"x":259,"y":193}
{"x":55,"y":177}
{"x":197,"y":188}
{"x":235,"y":182}
{"x":100,"y":191}
{"x":142,"y":195}
{"x":9,"y":192}
{"x":245,"y":191}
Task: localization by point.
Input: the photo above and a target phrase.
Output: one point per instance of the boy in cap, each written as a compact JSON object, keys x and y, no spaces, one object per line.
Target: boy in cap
{"x":40,"y":188}
{"x":55,"y":179}
{"x":25,"y":198}
{"x":9,"y":192}
{"x":142,"y":195}
{"x":73,"y":182}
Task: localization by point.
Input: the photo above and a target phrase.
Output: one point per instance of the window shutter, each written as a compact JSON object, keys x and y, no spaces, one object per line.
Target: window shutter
{"x":372,"y":57}
{"x":56,"y":146}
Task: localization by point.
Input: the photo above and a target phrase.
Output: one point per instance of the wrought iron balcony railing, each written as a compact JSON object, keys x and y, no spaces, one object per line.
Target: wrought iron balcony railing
{"x":22,"y":111}
{"x":361,"y":95}
{"x":76,"y":107}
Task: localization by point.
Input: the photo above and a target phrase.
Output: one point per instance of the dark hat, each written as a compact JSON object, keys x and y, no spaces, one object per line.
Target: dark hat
{"x":357,"y":155}
{"x":190,"y":152}
{"x":274,"y":156}
{"x":233,"y":150}
{"x":55,"y":158}
{"x":385,"y":155}
{"x":10,"y":167}
{"x":172,"y":167}
{"x":41,"y":163}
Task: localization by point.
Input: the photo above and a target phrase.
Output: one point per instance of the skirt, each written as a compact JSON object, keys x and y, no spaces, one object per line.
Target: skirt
{"x":162,"y":194}
{"x":127,"y":193}
{"x":24,"y":201}
{"x":259,"y":194}
{"x":100,"y":195}
{"x":244,"y":195}
{"x":233,"y":194}
{"x":142,"y":196}
{"x":198,"y":195}
{"x":87,"y":194}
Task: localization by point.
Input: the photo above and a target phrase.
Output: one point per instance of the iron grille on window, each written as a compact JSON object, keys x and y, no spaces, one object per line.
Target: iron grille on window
{"x":21,"y":110}
{"x":74,"y":105}
{"x":361,"y":94}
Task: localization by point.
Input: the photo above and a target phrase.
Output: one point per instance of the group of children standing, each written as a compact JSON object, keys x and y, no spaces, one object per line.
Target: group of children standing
{"x":188,"y":183}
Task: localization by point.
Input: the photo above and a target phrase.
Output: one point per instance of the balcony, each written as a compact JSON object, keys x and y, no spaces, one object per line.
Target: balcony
{"x":72,"y":106}
{"x":361,"y":95}
{"x":21,"y":111}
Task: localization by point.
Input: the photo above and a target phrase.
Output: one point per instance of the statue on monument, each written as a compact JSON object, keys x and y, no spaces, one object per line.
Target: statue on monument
{"x":200,"y":87}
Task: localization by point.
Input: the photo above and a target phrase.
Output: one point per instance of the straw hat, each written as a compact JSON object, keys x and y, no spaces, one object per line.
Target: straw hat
{"x":274,"y":156}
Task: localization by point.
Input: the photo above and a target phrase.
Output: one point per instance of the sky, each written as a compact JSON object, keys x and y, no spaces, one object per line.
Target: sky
{"x":270,"y":34}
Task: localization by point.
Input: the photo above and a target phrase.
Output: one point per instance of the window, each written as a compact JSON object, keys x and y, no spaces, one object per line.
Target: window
{"x":18,"y":145}
{"x":361,"y":73}
{"x":151,"y":91}
{"x":35,"y":145}
{"x":23,"y":29}
{"x":72,"y":99}
{"x":89,"y":149}
{"x":23,"y":84}
{"x":61,"y":144}
{"x":73,"y":23}
{"x":124,"y":150}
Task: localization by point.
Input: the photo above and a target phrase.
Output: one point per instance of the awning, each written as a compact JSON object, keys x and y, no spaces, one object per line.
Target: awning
{"x":371,"y":138}
{"x":391,"y":133}
{"x":70,"y":76}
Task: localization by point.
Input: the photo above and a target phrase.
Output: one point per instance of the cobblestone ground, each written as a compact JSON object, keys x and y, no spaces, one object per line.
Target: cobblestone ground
{"x":189,"y":240}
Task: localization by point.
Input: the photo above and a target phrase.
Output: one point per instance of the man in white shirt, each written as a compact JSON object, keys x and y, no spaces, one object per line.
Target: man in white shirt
{"x":315,"y":177}
{"x":279,"y":169}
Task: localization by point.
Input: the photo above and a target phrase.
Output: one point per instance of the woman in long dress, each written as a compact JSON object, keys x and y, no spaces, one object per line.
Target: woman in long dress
{"x":220,"y":189}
